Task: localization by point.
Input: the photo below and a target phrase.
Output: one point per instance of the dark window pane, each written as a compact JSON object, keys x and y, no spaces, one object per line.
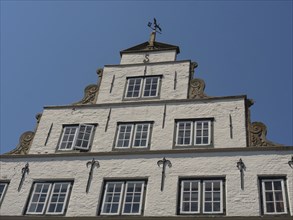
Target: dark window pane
{"x":208,"y":207}
{"x":114,"y":208}
{"x":216,"y":207}
{"x":194,"y":206}
{"x":127,"y":208}
{"x":268,"y":185}
{"x":185,"y":206}
{"x":269,"y":196}
{"x":135,"y":208}
{"x":59,"y":207}
{"x":277,"y":185}
{"x":278,"y":196}
{"x":270,"y":207}
{"x":208,"y":196}
{"x":279,"y":207}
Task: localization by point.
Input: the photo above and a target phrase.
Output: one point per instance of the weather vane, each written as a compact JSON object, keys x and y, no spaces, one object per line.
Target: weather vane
{"x":154,"y":26}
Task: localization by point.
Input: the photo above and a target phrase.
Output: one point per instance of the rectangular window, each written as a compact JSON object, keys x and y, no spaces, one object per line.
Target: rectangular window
{"x":76,"y":137}
{"x":133,"y":135}
{"x":142,"y":87}
{"x":201,"y":197}
{"x":123,"y":198}
{"x":273,"y":196}
{"x":3,"y":187}
{"x":193,"y":132}
{"x":49,"y":198}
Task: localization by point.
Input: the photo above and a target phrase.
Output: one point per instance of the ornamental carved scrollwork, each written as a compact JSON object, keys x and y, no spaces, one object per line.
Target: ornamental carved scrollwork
{"x":258,"y":132}
{"x":90,"y":94}
{"x":196,"y":89}
{"x":25,"y":142}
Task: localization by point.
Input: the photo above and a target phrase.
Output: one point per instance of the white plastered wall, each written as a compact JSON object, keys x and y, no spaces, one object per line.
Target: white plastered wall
{"x":153,"y":56}
{"x":166,"y":91}
{"x":221,"y":164}
{"x":161,"y":138}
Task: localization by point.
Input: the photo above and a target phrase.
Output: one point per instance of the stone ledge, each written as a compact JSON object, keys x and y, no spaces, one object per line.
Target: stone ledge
{"x":154,"y":152}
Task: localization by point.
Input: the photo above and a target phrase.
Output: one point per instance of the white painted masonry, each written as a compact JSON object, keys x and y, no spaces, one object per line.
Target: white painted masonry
{"x":166,"y":70}
{"x":103,"y":140}
{"x":153,"y":56}
{"x":221,"y":164}
{"x":47,"y":163}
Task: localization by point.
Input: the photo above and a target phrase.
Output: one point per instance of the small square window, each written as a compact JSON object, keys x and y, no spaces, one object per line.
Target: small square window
{"x":123,"y":198}
{"x":273,"y":196}
{"x":76,"y":137}
{"x":142,"y":87}
{"x":48,"y":198}
{"x":133,"y":135}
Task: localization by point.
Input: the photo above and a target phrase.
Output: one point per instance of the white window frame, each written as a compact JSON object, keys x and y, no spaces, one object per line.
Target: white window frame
{"x":130,"y":138}
{"x":199,"y":197}
{"x":105,"y":195}
{"x":4,"y":191}
{"x":195,"y":131}
{"x":193,"y":135}
{"x":133,"y":135}
{"x":73,"y":146}
{"x":191,"y":130}
{"x":141,"y":197}
{"x":142,"y":87}
{"x":157,"y":89}
{"x":65,"y":199}
{"x":139,"y":93}
{"x":212,"y":192}
{"x":274,"y":200}
{"x":122,"y":199}
{"x":47,"y":202}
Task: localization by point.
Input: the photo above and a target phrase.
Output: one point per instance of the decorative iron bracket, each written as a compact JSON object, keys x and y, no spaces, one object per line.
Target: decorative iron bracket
{"x":290,"y":162}
{"x":94,"y":163}
{"x":241,"y":167}
{"x":164,"y":162}
{"x":25,"y":170}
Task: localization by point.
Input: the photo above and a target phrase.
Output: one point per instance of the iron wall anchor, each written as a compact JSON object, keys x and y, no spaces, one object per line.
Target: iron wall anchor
{"x":163,"y":162}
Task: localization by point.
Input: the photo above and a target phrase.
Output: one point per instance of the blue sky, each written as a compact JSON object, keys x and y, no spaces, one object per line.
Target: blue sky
{"x":51,"y":49}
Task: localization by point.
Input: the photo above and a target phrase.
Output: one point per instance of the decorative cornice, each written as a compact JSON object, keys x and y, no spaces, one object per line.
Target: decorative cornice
{"x":90,"y":94}
{"x":196,"y":89}
{"x":25,"y":142}
{"x":258,"y":132}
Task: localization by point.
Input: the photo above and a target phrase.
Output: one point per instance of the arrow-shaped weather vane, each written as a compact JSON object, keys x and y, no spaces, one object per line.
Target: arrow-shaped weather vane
{"x":25,"y":170}
{"x":241,"y":167}
{"x":164,"y":162}
{"x":94,"y":163}
{"x":154,"y":26}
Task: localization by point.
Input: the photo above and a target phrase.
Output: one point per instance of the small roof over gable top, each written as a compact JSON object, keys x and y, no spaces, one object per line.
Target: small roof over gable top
{"x":158,"y":46}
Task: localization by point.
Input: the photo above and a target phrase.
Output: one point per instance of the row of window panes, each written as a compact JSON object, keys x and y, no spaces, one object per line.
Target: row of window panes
{"x":142,"y":87}
{"x":126,"y":197}
{"x":137,"y":135}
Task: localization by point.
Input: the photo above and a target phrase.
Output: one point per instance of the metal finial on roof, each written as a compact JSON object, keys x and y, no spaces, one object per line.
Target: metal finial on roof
{"x":156,"y":29}
{"x":154,"y":26}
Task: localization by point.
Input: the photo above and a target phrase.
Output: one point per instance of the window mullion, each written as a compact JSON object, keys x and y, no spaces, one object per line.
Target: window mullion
{"x":122,"y":198}
{"x":75,"y":137}
{"x":48,"y":198}
{"x":140,"y":87}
